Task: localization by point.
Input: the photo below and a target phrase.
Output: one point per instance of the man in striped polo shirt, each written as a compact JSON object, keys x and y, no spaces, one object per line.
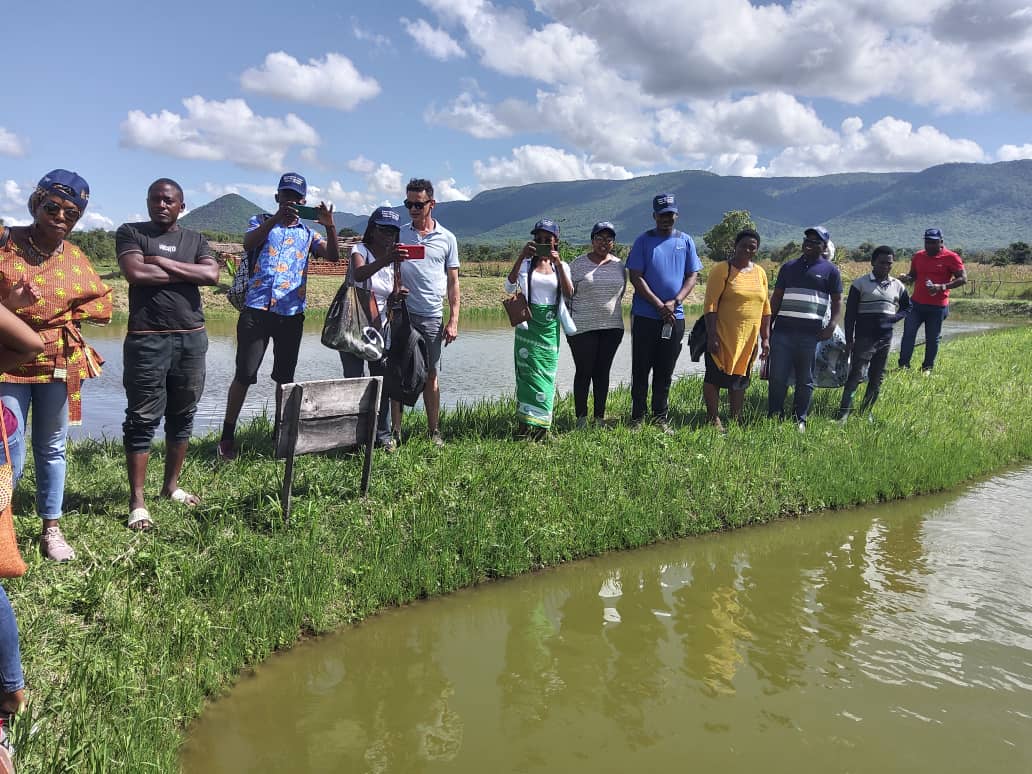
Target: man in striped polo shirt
{"x":806,"y":289}
{"x":876,"y":302}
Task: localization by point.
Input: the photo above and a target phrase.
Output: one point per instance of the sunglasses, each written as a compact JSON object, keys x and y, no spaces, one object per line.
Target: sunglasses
{"x":68,"y":213}
{"x":392,"y":230}
{"x":416,"y":205}
{"x":809,"y":241}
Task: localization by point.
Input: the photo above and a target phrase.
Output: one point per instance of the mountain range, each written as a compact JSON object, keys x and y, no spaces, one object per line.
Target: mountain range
{"x":977,"y":206}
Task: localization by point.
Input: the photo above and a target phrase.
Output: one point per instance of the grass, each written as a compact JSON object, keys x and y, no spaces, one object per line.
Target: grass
{"x":123,"y":646}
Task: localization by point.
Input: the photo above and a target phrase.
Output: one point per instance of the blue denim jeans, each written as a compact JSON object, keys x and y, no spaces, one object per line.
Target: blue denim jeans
{"x":932,"y":317}
{"x":791,"y":359}
{"x":11,"y":677}
{"x":49,"y":403}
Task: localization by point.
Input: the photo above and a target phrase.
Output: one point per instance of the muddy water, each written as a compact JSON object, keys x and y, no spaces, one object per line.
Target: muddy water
{"x":478,"y":365}
{"x":895,"y":638}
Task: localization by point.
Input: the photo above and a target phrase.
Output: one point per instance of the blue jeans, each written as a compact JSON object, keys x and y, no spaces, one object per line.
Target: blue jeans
{"x":932,"y":317}
{"x":11,"y":677}
{"x":791,"y":358}
{"x":49,"y":403}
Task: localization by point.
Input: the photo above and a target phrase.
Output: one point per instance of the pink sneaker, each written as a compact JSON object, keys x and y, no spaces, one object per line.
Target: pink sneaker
{"x":54,"y":546}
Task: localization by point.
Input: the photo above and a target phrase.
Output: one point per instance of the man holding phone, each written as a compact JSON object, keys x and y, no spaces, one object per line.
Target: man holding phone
{"x":428,"y":277}
{"x":663,"y":265}
{"x":275,"y":302}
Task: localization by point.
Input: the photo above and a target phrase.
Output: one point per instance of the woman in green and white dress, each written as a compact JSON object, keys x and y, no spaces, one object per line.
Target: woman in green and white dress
{"x":545,"y":282}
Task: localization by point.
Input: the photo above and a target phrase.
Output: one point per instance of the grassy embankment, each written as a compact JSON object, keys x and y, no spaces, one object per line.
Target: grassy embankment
{"x":993,"y":291}
{"x":123,"y":646}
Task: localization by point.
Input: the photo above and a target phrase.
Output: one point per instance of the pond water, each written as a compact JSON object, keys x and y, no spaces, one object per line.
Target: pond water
{"x":478,"y":365}
{"x":891,"y":638}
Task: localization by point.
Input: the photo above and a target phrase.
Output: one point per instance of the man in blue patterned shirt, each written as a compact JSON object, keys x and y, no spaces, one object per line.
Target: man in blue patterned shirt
{"x":274,"y":307}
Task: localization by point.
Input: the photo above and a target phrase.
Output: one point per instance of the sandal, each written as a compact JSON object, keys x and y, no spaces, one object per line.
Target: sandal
{"x":140,"y":520}
{"x":184,"y":497}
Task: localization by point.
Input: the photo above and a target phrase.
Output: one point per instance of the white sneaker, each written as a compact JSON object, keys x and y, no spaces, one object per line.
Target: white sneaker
{"x":801,"y":427}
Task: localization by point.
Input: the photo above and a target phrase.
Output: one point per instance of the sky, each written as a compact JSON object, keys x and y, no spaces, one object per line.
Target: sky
{"x":224,"y":96}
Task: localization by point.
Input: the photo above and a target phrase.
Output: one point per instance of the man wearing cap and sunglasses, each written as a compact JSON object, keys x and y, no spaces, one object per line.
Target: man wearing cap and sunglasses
{"x":663,"y":265}
{"x":427,"y":280}
{"x":934,"y":272}
{"x":274,"y":306}
{"x":806,"y":289}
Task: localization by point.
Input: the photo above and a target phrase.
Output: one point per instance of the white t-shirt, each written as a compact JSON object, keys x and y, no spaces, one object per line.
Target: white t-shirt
{"x":381,"y":284}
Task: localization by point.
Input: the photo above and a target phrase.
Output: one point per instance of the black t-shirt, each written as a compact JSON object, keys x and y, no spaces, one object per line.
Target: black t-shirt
{"x":172,"y":307}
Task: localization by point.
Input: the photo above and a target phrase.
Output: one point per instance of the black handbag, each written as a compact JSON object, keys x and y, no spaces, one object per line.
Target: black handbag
{"x":353,"y":322}
{"x":698,"y":339}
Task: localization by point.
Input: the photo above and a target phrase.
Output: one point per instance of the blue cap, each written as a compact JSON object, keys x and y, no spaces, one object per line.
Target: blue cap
{"x":933,"y":233}
{"x":603,"y":225}
{"x":385,"y":216}
{"x":820,"y":231}
{"x":663,"y":203}
{"x":67,"y":185}
{"x":546,"y":225}
{"x":292,"y":181}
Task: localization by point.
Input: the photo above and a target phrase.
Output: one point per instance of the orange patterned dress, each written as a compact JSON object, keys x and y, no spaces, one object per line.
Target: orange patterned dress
{"x":70,"y":293}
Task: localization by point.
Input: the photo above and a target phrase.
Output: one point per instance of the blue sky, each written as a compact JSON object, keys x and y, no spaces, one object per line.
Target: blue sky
{"x":225,"y":95}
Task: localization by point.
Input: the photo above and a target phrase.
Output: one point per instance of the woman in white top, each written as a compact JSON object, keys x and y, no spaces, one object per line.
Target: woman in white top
{"x":373,"y":264}
{"x":599,"y":284}
{"x":545,"y":281}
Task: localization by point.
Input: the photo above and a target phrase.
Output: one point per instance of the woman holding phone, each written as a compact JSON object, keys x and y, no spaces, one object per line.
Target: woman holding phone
{"x":599,"y":284}
{"x":373,"y":263}
{"x":544,"y":280}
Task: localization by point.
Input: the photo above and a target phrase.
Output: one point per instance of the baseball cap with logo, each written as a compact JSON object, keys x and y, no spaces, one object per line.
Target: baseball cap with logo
{"x":663,"y":203}
{"x":385,"y":216}
{"x":67,"y":185}
{"x":820,"y":231}
{"x":933,"y":233}
{"x":292,"y":181}
{"x":546,"y":225}
{"x":603,"y":225}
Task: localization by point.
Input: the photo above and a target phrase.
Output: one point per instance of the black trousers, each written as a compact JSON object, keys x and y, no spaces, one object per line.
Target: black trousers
{"x":593,"y":353}
{"x":651,"y":352}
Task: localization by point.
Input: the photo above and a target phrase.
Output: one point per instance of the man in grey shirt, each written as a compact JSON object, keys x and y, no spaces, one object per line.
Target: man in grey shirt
{"x":427,"y":280}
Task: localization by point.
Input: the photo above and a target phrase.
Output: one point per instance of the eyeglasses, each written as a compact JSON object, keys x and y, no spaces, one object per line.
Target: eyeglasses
{"x":70,"y":214}
{"x":416,"y":205}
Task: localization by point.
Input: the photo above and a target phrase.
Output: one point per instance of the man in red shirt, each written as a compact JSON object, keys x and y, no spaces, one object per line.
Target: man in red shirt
{"x":934,"y":271}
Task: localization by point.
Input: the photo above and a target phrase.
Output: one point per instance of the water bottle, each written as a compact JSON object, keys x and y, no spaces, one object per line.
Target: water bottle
{"x":668,"y":331}
{"x":930,"y":286}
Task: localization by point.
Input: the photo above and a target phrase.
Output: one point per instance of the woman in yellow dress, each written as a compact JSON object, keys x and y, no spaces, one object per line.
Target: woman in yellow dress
{"x":737,"y":309}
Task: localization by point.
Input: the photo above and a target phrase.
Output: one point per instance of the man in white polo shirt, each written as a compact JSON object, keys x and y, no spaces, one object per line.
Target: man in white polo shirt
{"x":427,"y":280}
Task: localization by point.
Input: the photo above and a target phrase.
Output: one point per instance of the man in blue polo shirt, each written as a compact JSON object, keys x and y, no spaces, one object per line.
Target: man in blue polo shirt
{"x":664,"y":266}
{"x":805,"y":290}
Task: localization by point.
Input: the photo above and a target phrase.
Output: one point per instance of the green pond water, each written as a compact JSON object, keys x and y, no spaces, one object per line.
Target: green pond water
{"x":895,"y":638}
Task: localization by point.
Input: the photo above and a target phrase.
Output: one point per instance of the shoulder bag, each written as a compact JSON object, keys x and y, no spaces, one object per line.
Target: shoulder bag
{"x":697,"y":339}
{"x":352,"y":322}
{"x":11,"y":563}
{"x":516,"y":305}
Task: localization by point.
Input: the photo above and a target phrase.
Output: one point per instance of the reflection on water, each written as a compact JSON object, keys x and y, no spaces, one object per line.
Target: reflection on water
{"x":893,"y":638}
{"x":478,"y":365}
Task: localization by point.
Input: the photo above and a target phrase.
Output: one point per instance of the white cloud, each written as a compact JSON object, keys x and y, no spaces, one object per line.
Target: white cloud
{"x":331,"y":82}
{"x":465,"y":114}
{"x":355,"y":202}
{"x":433,"y":40}
{"x":447,"y":191}
{"x":364,"y":35}
{"x":1014,"y":152}
{"x":11,"y":195}
{"x":92,"y":220}
{"x":362,"y":165}
{"x":218,"y":131}
{"x":247,"y":190}
{"x":386,"y":181}
{"x":11,"y":144}
{"x":889,"y":145}
{"x":542,"y":163}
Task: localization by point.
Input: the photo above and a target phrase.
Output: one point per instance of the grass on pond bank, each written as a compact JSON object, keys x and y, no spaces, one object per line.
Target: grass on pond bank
{"x":122,"y":646}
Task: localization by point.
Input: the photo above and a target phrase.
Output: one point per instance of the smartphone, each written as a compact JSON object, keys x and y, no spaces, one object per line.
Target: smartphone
{"x":415,"y":252}
{"x":306,"y":213}
{"x":542,"y":250}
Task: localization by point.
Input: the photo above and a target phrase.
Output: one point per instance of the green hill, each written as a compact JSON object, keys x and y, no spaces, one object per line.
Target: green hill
{"x":978,"y":206}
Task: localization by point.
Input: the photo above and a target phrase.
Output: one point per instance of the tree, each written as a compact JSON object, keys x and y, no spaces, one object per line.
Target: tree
{"x":1020,"y":252}
{"x":720,"y":240}
{"x":348,"y":232}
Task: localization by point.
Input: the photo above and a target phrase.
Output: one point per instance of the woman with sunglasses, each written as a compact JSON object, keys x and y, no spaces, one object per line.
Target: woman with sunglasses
{"x":373,"y":263}
{"x":49,"y":283}
{"x":544,"y":280}
{"x":599,"y":284}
